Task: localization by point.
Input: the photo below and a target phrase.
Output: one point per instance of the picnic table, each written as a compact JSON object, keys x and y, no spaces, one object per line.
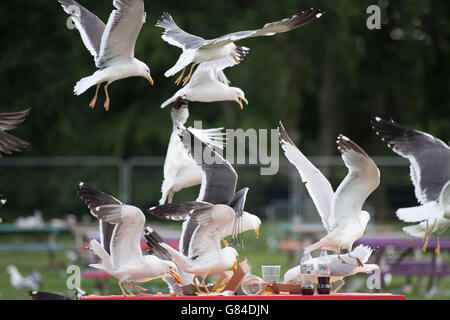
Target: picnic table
{"x":52,"y":246}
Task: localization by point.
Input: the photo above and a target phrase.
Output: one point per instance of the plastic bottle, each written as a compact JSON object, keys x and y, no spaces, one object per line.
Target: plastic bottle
{"x":323,"y":273}
{"x":307,"y":273}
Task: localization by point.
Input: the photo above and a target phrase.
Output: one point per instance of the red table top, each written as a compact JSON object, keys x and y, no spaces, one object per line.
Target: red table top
{"x":337,"y":296}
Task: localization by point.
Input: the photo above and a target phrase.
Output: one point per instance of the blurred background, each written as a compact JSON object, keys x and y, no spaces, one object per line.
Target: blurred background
{"x":327,"y":78}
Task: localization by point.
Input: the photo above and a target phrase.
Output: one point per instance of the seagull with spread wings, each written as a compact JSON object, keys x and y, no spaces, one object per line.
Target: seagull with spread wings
{"x":125,"y":260}
{"x":340,"y":211}
{"x":197,"y":50}
{"x":180,"y":171}
{"x":430,"y":175}
{"x":112,"y":45}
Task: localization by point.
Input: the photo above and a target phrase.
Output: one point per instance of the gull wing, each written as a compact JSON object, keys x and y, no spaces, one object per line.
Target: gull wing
{"x":218,"y":176}
{"x":319,"y":188}
{"x":123,"y":28}
{"x":429,"y":157}
{"x":95,"y":198}
{"x":211,"y":220}
{"x":269,"y":29}
{"x":175,"y":36}
{"x":9,"y":121}
{"x":362,"y":179}
{"x":89,"y":26}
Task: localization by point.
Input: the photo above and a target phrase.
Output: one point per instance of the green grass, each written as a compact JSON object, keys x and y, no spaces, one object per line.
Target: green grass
{"x":55,"y":276}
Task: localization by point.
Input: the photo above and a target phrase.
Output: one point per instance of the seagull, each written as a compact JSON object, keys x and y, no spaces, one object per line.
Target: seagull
{"x":430,"y":175}
{"x":112,"y":45}
{"x":197,"y":50}
{"x":209,"y":84}
{"x":205,"y":255}
{"x":9,"y":121}
{"x":125,"y":261}
{"x":32,"y":282}
{"x":340,"y":211}
{"x":180,"y":171}
{"x":339,"y":271}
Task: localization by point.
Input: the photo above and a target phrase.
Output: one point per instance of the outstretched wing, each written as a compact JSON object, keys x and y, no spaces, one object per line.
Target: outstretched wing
{"x":429,"y":157}
{"x":95,"y":198}
{"x":176,"y":211}
{"x":362,"y":179}
{"x":91,"y":28}
{"x":9,"y":121}
{"x":218,"y":176}
{"x":123,"y":28}
{"x":269,"y":29}
{"x":319,"y":188}
{"x":175,"y":36}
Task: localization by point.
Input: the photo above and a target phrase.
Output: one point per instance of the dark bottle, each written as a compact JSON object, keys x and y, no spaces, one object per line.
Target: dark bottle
{"x":307,"y":274}
{"x":323,"y":273}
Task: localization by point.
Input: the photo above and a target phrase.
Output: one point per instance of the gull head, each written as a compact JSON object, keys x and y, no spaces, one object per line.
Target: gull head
{"x":180,"y":111}
{"x":231,"y":254}
{"x":251,"y":222}
{"x":144,"y":72}
{"x":172,"y":270}
{"x":239,"y":96}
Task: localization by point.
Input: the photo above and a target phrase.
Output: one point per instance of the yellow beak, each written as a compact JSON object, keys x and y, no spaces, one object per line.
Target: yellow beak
{"x":235,"y":58}
{"x":240,"y":102}
{"x":176,"y":276}
{"x":257,"y":233}
{"x":235,"y":266}
{"x":151,"y":80}
{"x":1,"y":221}
{"x":225,"y":243}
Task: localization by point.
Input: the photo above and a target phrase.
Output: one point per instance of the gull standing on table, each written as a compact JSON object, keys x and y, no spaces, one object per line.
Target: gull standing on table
{"x":112,"y":45}
{"x":180,"y":171}
{"x":340,"y":211}
{"x":430,"y":175}
{"x":338,"y":270}
{"x":125,"y":261}
{"x":209,"y":84}
{"x":197,"y":50}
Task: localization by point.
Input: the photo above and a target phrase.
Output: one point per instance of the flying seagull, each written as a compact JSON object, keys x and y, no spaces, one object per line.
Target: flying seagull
{"x":430,"y":175}
{"x":32,"y":282}
{"x":180,"y":171}
{"x":125,"y":261}
{"x":9,"y":121}
{"x":338,"y":270}
{"x":112,"y":45}
{"x":340,"y":211}
{"x":197,"y":50}
{"x":209,"y":84}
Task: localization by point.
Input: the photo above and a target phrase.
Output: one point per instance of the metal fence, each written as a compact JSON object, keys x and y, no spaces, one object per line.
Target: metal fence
{"x":49,"y":184}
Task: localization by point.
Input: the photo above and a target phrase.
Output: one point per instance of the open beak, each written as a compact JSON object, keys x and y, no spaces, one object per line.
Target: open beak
{"x":176,"y":276}
{"x":235,"y":266}
{"x":257,"y":233}
{"x":225,"y":243}
{"x":235,"y":58}
{"x":151,"y":80}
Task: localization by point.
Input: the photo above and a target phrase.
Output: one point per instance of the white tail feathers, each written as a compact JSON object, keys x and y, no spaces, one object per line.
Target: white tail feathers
{"x":362,"y":252}
{"x":417,"y":230}
{"x":85,"y":83}
{"x":105,"y":258}
{"x":165,"y":188}
{"x":180,"y":259}
{"x":213,"y":137}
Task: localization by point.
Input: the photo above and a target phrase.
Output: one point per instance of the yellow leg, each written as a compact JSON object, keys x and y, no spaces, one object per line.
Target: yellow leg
{"x":121,"y":288}
{"x":438,"y":247}
{"x":94,"y":100}
{"x":205,"y":286}
{"x":427,"y":235}
{"x":225,"y":243}
{"x":196,"y":285}
{"x":177,"y":82}
{"x":188,"y":77}
{"x":107,"y":98}
{"x":339,"y":286}
{"x":360,"y":264}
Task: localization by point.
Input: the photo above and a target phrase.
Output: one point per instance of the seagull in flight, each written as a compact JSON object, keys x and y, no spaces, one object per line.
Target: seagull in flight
{"x":112,"y":45}
{"x":341,"y":211}
{"x":197,"y":50}
{"x":430,"y":175}
{"x":9,"y":121}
